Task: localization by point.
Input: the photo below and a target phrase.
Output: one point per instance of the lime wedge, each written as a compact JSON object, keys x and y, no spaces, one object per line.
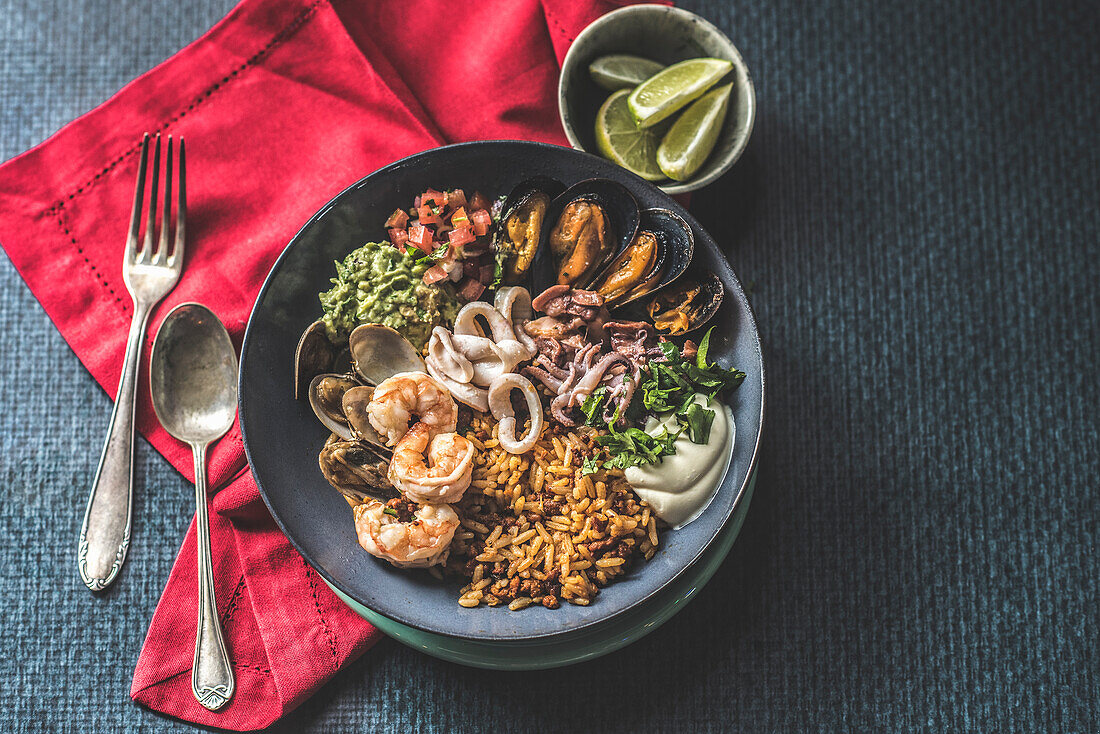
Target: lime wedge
{"x":667,"y":91}
{"x":623,"y":142}
{"x":690,"y":140}
{"x":622,"y":71}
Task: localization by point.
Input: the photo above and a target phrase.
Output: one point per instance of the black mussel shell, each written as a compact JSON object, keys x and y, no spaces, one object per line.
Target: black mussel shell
{"x":543,"y":184}
{"x":677,"y":246}
{"x":621,"y":210}
{"x":535,"y":192}
{"x":686,"y":305}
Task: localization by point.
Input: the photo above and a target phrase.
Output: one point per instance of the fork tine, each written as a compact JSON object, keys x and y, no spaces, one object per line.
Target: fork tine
{"x":151,"y":221}
{"x":176,"y":260}
{"x":139,"y":195}
{"x":166,"y":216}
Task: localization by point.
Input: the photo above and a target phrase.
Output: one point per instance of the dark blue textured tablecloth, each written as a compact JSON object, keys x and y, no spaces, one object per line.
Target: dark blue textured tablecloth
{"x":917,"y":217}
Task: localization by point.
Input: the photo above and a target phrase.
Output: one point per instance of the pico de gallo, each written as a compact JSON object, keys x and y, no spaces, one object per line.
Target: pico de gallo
{"x":453,"y":232}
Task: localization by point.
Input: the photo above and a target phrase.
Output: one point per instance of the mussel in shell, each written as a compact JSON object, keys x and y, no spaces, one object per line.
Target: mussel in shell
{"x":658,"y":255}
{"x":590,"y":223}
{"x":581,"y":241}
{"x":686,"y":305}
{"x":355,"y":469}
{"x":634,"y":265}
{"x":519,"y":234}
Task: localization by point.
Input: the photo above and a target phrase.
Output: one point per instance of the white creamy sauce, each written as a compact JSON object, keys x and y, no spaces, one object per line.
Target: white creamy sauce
{"x":681,"y":486}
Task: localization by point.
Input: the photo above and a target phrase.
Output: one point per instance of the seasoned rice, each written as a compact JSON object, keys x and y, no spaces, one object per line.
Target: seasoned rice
{"x":537,"y":530}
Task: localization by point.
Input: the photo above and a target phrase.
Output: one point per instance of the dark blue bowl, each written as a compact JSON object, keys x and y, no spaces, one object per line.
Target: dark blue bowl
{"x":282,"y":437}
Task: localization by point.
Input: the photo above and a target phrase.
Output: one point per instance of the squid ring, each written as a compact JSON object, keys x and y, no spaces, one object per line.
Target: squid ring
{"x":466,"y":325}
{"x":500,"y":403}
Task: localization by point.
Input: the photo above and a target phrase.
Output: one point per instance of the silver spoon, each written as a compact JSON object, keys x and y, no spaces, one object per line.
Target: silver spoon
{"x":193,"y":375}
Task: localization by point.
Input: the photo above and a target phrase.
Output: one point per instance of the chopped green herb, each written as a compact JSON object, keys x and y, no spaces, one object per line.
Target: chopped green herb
{"x":669,"y":386}
{"x":434,"y":256}
{"x":670,"y":350}
{"x":672,"y":385}
{"x":390,"y":511}
{"x":592,"y":407}
{"x":698,"y":420}
{"x":633,"y":447}
{"x":498,"y":269}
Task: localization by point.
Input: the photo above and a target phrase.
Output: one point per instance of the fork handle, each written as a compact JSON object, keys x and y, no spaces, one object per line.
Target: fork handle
{"x":105,"y":534}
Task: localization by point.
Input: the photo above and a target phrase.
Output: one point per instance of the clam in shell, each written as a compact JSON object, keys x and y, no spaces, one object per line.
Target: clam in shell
{"x":379,"y":352}
{"x":355,"y":469}
{"x":315,"y":355}
{"x":326,"y":395}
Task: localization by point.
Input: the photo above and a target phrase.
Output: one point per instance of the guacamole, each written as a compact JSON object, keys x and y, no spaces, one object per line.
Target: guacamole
{"x":378,"y":284}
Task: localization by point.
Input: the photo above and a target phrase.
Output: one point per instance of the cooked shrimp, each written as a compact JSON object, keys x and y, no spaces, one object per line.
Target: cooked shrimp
{"x":432,"y":469}
{"x":409,"y":394}
{"x":421,"y":542}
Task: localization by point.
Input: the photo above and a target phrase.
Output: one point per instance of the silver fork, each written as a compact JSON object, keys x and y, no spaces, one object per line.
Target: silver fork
{"x":149,"y":275}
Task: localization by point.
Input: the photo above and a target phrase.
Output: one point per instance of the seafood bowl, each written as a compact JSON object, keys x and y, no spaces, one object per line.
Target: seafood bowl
{"x":282,"y":436}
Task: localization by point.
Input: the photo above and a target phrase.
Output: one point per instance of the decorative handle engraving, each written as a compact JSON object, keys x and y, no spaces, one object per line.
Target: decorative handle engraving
{"x":214,"y":698}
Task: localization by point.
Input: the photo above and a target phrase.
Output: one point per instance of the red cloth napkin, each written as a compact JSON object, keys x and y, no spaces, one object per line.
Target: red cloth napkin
{"x":283,"y":104}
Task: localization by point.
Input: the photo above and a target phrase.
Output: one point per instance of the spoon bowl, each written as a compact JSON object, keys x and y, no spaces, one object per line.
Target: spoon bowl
{"x":193,"y":375}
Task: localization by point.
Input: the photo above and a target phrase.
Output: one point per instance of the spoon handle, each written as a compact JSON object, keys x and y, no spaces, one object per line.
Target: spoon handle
{"x":212,"y":679}
{"x":105,"y":533}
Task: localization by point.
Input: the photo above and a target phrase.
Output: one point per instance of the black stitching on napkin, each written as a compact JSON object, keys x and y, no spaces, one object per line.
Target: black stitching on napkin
{"x":560,"y":28}
{"x":329,"y":634}
{"x":277,"y":39}
{"x":231,"y":607}
{"x":56,"y":208}
{"x":256,"y":668}
{"x":95,"y":272}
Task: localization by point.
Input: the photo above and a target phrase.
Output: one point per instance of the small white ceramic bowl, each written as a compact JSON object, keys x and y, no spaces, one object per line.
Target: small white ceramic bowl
{"x":666,"y":35}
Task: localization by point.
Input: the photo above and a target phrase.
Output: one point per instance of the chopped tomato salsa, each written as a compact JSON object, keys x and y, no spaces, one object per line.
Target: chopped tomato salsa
{"x":451,"y":230}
